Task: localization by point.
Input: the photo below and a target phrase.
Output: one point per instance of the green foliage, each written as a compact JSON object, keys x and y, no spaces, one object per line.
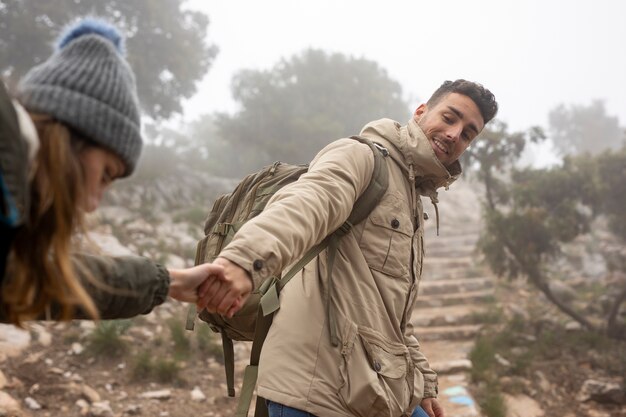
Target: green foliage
{"x":166,"y":45}
{"x":182,"y":344}
{"x":164,"y":370}
{"x":193,"y":215}
{"x":105,"y":340}
{"x":578,"y":128}
{"x":290,"y":112}
{"x":207,"y":344}
{"x":141,"y":367}
{"x":167,"y":370}
{"x":492,"y":402}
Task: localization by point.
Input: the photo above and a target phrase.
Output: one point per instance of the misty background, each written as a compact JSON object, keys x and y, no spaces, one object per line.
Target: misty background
{"x":239,"y":84}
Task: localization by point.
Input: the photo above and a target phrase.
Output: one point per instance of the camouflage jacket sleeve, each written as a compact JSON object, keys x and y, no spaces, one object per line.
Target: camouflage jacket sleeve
{"x":123,"y":287}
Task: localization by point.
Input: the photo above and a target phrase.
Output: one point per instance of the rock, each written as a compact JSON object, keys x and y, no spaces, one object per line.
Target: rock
{"x":87,"y":325}
{"x":13,"y":340}
{"x":83,"y":405}
{"x":522,"y":406}
{"x":197,"y":394}
{"x":43,"y":336}
{"x":602,"y":392}
{"x":501,"y":360}
{"x":9,"y":407}
{"x":101,"y":409}
{"x":133,"y":409}
{"x":519,"y":312}
{"x":32,"y":403}
{"x":90,"y":394}
{"x":562,"y":291}
{"x":3,"y":380}
{"x":76,"y":349}
{"x":572,"y":326}
{"x":544,"y":384}
{"x":109,"y":244}
{"x":452,"y":367}
{"x":163,"y":394}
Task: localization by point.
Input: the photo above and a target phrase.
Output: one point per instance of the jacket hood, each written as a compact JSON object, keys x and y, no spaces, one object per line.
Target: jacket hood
{"x":410,"y":147}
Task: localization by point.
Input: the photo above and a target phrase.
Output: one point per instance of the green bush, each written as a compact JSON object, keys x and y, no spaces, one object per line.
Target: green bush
{"x":182,"y":345}
{"x":105,"y":340}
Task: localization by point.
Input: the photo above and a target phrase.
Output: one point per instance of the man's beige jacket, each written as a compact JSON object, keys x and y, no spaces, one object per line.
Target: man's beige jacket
{"x":377,"y":369}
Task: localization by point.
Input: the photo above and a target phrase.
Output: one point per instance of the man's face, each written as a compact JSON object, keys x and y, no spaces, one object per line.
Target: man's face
{"x":450,"y":125}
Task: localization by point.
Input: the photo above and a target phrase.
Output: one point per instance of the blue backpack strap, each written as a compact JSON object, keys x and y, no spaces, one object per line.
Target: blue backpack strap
{"x":9,"y":219}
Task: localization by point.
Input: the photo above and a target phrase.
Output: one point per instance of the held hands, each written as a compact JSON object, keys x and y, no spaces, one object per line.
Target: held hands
{"x":227,"y":293}
{"x":185,"y":283}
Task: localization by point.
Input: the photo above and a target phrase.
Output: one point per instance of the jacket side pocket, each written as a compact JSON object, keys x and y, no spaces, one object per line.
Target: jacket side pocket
{"x":377,"y":376}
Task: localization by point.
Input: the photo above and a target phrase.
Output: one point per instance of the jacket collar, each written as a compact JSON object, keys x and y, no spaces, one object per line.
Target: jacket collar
{"x":410,"y":147}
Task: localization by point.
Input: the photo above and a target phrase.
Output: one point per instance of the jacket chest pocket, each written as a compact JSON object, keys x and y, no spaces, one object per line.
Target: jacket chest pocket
{"x":387,"y":237}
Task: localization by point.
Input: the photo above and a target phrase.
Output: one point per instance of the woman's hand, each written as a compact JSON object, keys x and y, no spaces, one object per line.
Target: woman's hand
{"x":184,"y":283}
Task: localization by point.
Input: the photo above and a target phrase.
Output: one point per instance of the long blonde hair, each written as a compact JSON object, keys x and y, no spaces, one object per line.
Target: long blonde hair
{"x":41,"y":273}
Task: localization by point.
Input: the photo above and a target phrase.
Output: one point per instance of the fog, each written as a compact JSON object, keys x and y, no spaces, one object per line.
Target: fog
{"x":532,"y":54}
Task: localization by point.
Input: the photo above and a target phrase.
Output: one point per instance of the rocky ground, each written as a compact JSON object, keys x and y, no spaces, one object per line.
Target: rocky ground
{"x":150,"y":366}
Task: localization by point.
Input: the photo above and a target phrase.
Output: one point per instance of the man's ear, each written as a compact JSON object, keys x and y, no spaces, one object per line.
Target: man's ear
{"x":417,"y":115}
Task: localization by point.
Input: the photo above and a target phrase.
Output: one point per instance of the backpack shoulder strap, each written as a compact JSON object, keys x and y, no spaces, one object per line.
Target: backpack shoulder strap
{"x":378,"y":184}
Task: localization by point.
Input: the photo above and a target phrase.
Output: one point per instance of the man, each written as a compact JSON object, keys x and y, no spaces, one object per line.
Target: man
{"x":374,"y":366}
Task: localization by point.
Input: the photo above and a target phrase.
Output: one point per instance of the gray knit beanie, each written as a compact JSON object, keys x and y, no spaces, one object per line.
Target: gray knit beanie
{"x":88,"y":85}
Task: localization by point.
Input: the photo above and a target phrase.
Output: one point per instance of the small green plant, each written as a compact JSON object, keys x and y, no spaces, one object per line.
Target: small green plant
{"x":182,"y":345}
{"x":492,"y":402}
{"x":105,"y":340}
{"x":482,"y":357}
{"x":166,"y":370}
{"x":207,"y":344}
{"x":142,"y":366}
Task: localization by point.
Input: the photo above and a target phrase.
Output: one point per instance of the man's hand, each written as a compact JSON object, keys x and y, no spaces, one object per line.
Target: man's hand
{"x":432,"y":407}
{"x":228,"y":294}
{"x":185,"y":283}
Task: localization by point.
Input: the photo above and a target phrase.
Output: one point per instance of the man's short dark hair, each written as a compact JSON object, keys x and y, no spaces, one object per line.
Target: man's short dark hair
{"x":483,"y":98}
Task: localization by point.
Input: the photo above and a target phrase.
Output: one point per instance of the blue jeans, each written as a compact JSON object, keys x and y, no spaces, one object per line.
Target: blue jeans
{"x":279,"y":410}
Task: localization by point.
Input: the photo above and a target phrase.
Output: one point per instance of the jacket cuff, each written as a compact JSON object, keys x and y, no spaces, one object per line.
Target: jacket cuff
{"x":431,"y":387}
{"x":160,"y":295}
{"x":254,"y":264}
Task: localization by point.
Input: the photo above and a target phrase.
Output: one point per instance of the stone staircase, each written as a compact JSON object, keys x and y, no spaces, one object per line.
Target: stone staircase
{"x":455,"y":294}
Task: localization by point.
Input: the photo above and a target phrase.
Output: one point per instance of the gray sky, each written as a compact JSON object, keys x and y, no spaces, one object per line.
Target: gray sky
{"x":532,"y":54}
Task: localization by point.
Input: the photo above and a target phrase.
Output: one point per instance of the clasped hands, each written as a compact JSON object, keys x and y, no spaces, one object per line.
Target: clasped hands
{"x":220,"y":287}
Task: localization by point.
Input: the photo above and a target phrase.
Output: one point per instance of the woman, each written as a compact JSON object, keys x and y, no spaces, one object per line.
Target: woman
{"x":78,"y":130}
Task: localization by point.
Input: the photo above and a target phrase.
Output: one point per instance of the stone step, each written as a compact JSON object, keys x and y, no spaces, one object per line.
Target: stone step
{"x":450,"y":333}
{"x":441,"y":351}
{"x":451,"y":286}
{"x":449,"y":262}
{"x":472,"y":298}
{"x":441,"y":272}
{"x":448,"y":316}
{"x":452,"y":367}
{"x":451,"y":234}
{"x":450,"y":251}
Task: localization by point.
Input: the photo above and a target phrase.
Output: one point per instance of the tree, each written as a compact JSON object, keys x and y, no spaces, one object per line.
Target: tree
{"x":531,"y":213}
{"x":291,"y":111}
{"x":166,"y":45}
{"x":578,"y":128}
